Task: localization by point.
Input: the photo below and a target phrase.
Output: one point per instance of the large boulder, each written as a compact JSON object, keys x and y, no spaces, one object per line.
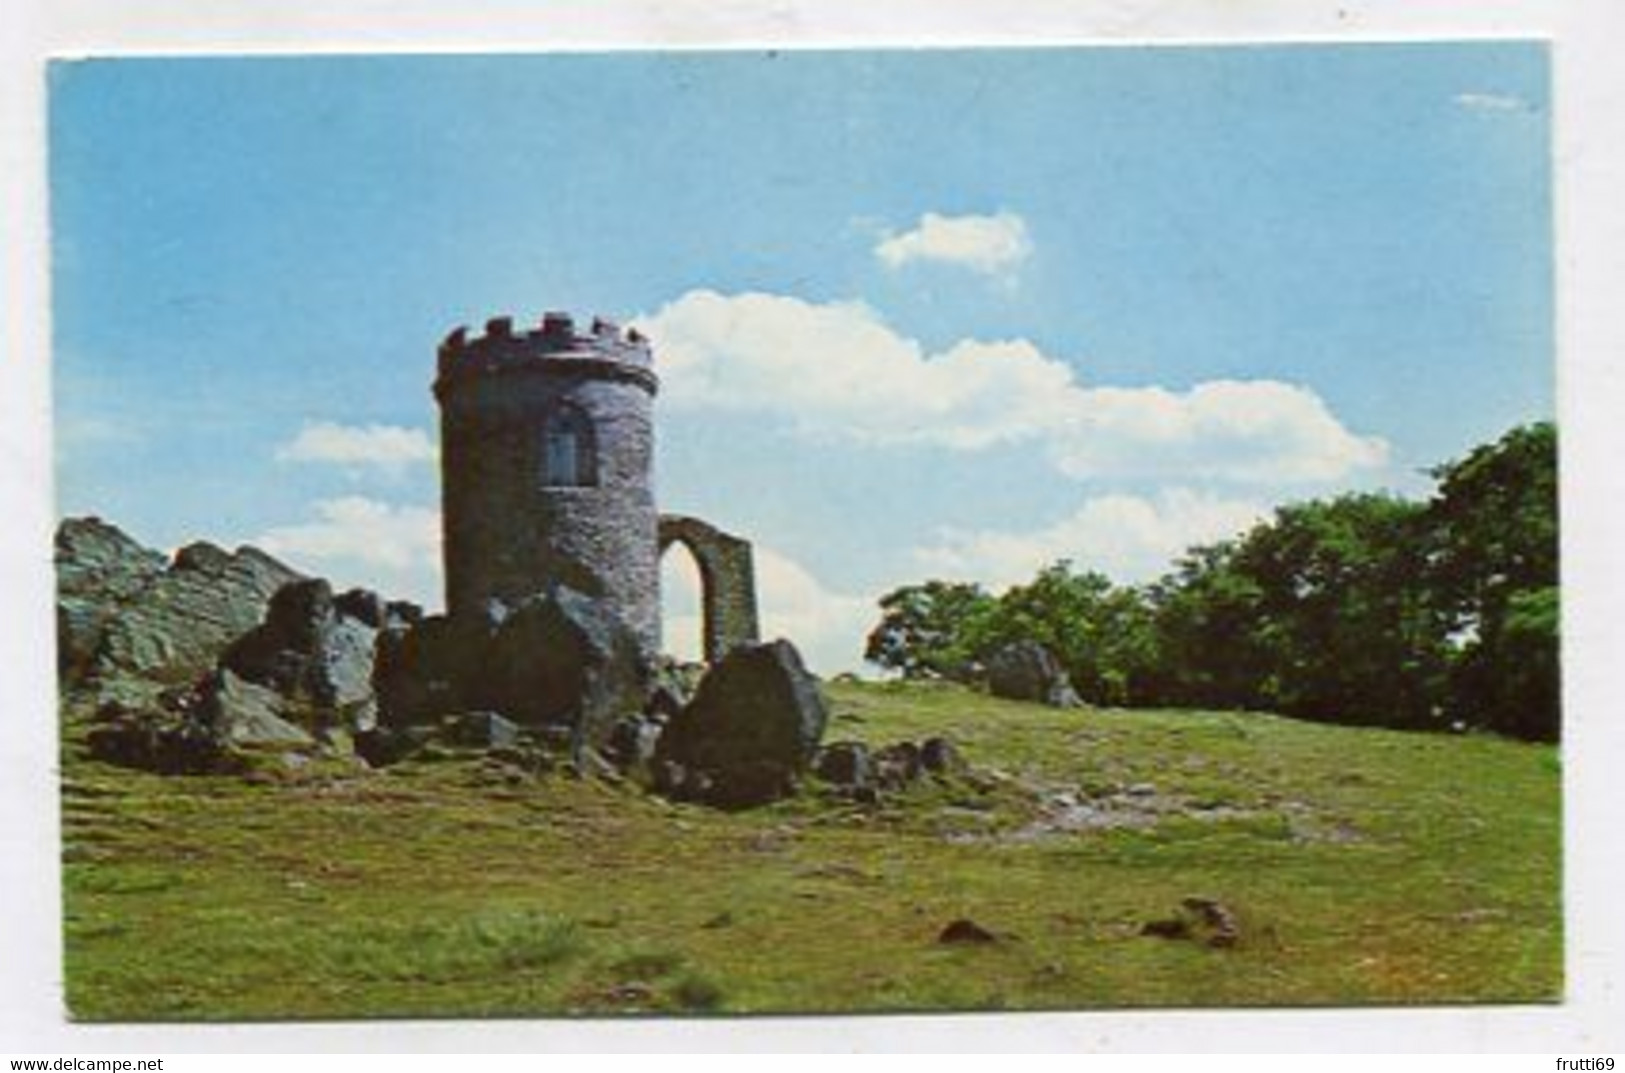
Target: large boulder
{"x":126,"y":618}
{"x":557,"y":660}
{"x":98,"y":569}
{"x":1026,"y":670}
{"x":754,"y":723}
{"x":429,"y":669}
{"x":315,"y":648}
{"x":238,"y":713}
{"x":564,"y":659}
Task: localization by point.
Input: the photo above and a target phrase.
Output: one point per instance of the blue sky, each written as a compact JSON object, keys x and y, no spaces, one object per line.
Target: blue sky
{"x":918,"y":313}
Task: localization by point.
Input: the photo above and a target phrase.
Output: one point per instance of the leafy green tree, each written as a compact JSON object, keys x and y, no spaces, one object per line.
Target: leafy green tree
{"x":1206,"y":616}
{"x":1342,"y":613}
{"x":1317,"y":612}
{"x":1493,"y":572}
{"x":1100,"y":633}
{"x":925,"y":629}
{"x":1359,"y":609}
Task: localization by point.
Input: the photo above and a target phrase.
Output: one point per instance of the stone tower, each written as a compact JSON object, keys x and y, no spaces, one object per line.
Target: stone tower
{"x":547,"y":445}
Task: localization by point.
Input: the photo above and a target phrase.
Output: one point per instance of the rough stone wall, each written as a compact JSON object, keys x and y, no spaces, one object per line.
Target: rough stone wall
{"x":727,"y":582}
{"x":509,"y":536}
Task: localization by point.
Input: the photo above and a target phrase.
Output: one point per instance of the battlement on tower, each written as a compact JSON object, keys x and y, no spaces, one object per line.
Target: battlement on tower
{"x":556,"y":344}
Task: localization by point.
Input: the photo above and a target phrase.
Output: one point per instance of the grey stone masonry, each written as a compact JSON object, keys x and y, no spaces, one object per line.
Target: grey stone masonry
{"x":727,"y":582}
{"x":547,"y":445}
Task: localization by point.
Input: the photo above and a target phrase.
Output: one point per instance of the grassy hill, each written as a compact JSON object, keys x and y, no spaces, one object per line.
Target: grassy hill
{"x":1362,"y":866}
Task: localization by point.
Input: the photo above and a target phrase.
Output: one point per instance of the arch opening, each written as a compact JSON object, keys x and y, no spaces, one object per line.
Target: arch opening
{"x":682,"y":616}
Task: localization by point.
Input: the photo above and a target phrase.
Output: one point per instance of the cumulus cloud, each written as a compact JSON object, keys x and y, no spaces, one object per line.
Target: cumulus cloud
{"x":828,"y":626}
{"x":355,"y":540}
{"x":1491,"y":102}
{"x":1128,"y":538}
{"x":837,"y":369}
{"x":992,"y":245}
{"x":1248,"y":431}
{"x":387,"y":447}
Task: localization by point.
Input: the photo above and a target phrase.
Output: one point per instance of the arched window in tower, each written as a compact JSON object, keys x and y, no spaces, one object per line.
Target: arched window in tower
{"x":569,"y":449}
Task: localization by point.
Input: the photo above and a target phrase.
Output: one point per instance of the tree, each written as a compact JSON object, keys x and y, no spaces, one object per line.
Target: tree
{"x":1100,"y":633}
{"x":1493,"y":571}
{"x":1349,"y":628}
{"x":924,"y":629}
{"x":1358,"y":609}
{"x":1317,"y":612}
{"x":1206,"y":618}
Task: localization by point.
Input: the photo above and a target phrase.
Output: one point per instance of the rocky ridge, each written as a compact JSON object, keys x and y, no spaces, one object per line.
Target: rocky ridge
{"x":232,"y":662}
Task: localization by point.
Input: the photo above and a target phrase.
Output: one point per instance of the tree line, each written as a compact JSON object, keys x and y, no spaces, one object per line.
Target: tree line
{"x":1363,"y":609}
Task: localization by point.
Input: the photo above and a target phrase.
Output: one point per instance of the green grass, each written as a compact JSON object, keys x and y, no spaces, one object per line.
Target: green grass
{"x":1364,"y":866}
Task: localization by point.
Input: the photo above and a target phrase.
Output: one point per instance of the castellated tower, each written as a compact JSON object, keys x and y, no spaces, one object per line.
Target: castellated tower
{"x":547,"y":444}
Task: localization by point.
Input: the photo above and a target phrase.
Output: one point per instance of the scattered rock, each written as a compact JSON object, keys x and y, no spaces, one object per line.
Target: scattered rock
{"x":1026,"y":670}
{"x":236,"y":712}
{"x":897,"y":766}
{"x":629,"y":994}
{"x":862,"y":773}
{"x":479,"y":730}
{"x":157,"y":741}
{"x":363,"y":605}
{"x":1202,"y":920}
{"x":632,"y":743}
{"x":1167,"y":928}
{"x":965,"y":930}
{"x":845,"y":764}
{"x":223,"y":725}
{"x":665,"y":701}
{"x":381,"y":746}
{"x":181,"y":623}
{"x":1216,"y":919}
{"x":681,"y":782}
{"x":402,"y":613}
{"x":676,"y":680}
{"x":589,"y":763}
{"x":941,"y":757}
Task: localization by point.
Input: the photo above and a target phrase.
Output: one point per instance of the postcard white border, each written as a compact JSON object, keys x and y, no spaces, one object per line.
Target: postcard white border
{"x":1590,"y":161}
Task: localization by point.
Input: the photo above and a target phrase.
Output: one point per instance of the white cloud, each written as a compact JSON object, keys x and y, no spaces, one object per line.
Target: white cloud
{"x":992,"y":245}
{"x":1246,"y":431}
{"x":354,"y":540}
{"x":1491,"y":102}
{"x":388,"y":447}
{"x":828,"y":627}
{"x":837,"y":369}
{"x":1128,"y":538}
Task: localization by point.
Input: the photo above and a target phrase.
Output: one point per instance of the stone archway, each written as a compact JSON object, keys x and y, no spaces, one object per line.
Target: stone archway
{"x":727,"y":582}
